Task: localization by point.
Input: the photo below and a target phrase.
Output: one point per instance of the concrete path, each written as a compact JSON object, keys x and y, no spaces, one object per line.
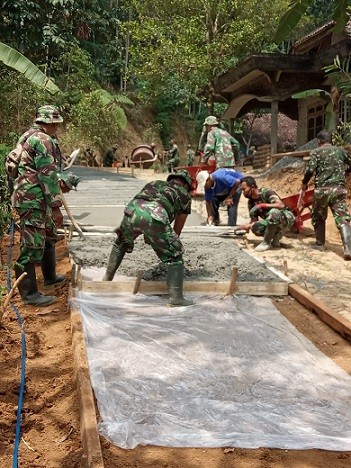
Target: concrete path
{"x":101,"y":196}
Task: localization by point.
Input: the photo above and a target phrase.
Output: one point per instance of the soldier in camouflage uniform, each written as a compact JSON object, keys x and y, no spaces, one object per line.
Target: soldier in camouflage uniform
{"x":173,"y":157}
{"x":35,"y":190}
{"x":267,"y":205}
{"x":190,"y":156}
{"x":151,"y":213}
{"x":219,"y":144}
{"x":328,"y":164}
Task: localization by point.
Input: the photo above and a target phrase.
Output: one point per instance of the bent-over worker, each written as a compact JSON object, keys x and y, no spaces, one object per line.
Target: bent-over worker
{"x":223,"y":185}
{"x":264,"y":203}
{"x":151,"y":213}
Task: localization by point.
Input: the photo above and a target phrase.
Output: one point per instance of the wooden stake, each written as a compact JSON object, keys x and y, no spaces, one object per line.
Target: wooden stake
{"x":65,"y":237}
{"x":138,"y":281}
{"x":285,"y":267}
{"x":232,"y":283}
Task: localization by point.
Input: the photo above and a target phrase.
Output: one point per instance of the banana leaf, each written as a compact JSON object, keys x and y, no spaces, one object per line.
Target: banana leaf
{"x":311,"y":93}
{"x":14,"y":59}
{"x":108,"y":98}
{"x":291,"y":18}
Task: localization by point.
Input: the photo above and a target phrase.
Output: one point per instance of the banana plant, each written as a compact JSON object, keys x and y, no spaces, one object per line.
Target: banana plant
{"x":14,"y":59}
{"x":298,"y":8}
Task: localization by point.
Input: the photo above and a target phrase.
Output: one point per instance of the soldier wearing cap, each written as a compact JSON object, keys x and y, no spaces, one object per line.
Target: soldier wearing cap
{"x":151,"y":213}
{"x":219,"y":144}
{"x":35,"y":191}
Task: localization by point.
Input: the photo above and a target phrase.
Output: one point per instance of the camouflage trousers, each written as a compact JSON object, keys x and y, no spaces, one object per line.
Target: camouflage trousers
{"x":151,"y":220}
{"x":333,"y":198}
{"x":36,"y":227}
{"x":284,"y":219}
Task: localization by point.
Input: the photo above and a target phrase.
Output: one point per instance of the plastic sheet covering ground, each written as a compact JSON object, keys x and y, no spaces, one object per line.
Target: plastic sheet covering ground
{"x":223,"y":372}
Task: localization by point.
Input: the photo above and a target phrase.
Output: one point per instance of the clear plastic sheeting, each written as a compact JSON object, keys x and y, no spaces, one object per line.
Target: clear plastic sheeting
{"x":223,"y":372}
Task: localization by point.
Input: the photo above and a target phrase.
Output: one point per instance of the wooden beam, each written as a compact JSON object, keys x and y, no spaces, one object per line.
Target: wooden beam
{"x":336,"y":321}
{"x":201,"y":287}
{"x":88,"y":422}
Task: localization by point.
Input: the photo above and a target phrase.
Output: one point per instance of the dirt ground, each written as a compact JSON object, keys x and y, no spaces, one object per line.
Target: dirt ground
{"x":50,"y":421}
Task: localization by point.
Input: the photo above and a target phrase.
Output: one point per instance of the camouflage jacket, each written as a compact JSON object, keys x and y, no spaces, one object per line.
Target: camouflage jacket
{"x":190,"y":157}
{"x":171,"y":196}
{"x":327,"y":164}
{"x":174,"y":156}
{"x":265,"y":196}
{"x":220,"y":143}
{"x":37,"y":184}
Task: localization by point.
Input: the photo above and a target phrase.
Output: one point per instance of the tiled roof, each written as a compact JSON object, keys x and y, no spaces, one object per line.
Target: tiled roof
{"x":314,"y":33}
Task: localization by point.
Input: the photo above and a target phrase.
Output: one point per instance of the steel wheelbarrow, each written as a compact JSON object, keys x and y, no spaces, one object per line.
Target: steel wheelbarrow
{"x":301,"y":205}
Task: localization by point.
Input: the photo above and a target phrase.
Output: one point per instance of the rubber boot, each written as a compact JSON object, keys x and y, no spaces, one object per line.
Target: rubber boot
{"x":116,"y":256}
{"x":28,"y":288}
{"x":175,"y":277}
{"x":276,"y":239}
{"x":48,"y":265}
{"x":345,"y":231}
{"x":319,"y":229}
{"x":269,"y":234}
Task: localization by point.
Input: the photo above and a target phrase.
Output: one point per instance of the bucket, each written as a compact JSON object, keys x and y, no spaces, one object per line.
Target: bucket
{"x":143,"y":156}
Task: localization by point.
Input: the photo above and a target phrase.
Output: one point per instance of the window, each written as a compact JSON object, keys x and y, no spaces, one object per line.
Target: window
{"x":345,"y":110}
{"x":316,"y":120}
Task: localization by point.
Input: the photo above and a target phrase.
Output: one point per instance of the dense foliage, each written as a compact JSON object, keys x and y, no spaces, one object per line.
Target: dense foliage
{"x":158,"y":52}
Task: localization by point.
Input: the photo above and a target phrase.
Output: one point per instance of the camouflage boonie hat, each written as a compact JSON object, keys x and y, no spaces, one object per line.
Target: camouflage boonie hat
{"x":181,"y":175}
{"x":70,"y":180}
{"x":211,"y":120}
{"x":48,"y":114}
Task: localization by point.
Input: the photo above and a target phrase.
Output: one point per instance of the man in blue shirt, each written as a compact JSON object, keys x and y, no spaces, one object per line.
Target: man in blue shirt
{"x":223,"y":185}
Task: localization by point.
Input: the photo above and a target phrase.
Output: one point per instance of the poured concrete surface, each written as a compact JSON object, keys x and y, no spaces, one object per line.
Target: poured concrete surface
{"x":99,"y":201}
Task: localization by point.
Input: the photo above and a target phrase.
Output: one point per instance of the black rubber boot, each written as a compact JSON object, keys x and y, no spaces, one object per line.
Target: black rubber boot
{"x":48,"y":265}
{"x":175,"y":278}
{"x":116,"y":256}
{"x":345,"y":231}
{"x":269,"y":234}
{"x":319,"y":229}
{"x":28,"y":288}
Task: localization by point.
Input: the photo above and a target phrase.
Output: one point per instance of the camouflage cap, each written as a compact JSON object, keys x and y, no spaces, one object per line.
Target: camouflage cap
{"x":48,"y":115}
{"x":211,"y":120}
{"x":184,"y":175}
{"x":70,"y":180}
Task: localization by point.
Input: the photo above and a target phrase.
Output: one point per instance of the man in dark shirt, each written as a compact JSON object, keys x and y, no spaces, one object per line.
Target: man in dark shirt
{"x":327,"y":164}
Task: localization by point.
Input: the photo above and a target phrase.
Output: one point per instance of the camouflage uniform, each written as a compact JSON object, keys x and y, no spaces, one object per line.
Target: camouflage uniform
{"x":189,"y":157}
{"x":173,"y":158}
{"x":5,"y":206}
{"x":151,"y":213}
{"x":34,"y":192}
{"x":328,"y":164}
{"x":282,"y":218}
{"x":220,"y":143}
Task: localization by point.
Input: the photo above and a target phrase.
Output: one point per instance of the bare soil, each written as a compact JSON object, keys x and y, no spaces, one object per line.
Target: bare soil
{"x":50,"y":421}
